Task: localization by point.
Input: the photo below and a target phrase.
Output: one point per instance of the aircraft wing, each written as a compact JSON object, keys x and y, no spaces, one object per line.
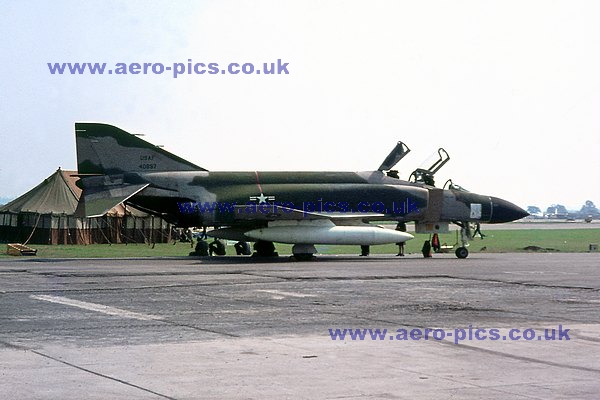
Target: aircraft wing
{"x":308,"y":224}
{"x":269,"y":212}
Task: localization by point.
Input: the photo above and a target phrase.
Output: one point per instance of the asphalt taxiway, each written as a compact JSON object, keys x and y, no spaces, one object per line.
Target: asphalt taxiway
{"x":234,"y":327}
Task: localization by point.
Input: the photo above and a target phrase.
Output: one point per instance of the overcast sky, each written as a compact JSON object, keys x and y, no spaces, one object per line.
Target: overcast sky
{"x":511,"y":89}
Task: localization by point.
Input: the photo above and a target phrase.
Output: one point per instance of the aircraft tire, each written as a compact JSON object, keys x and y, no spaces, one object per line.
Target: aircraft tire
{"x":303,"y":257}
{"x":462,"y":252}
{"x":264,"y":248}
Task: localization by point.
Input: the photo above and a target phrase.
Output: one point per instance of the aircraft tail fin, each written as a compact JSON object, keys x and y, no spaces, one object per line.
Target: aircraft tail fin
{"x":105,"y":150}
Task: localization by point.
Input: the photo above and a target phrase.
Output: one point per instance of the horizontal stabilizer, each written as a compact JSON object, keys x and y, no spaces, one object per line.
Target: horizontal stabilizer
{"x":98,"y":202}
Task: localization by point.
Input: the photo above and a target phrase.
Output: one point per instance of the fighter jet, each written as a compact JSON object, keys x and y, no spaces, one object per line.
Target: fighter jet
{"x":300,"y":208}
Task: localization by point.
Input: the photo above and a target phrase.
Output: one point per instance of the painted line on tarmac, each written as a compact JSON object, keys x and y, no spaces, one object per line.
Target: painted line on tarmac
{"x":101,"y":308}
{"x":282,"y":293}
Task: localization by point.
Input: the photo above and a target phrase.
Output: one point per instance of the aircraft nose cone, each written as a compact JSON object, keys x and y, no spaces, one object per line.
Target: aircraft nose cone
{"x":505,"y":211}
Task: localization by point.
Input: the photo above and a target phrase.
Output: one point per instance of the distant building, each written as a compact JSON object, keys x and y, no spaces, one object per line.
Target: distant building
{"x":557,"y":211}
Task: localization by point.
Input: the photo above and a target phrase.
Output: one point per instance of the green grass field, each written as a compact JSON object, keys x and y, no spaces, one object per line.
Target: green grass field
{"x":563,"y":240}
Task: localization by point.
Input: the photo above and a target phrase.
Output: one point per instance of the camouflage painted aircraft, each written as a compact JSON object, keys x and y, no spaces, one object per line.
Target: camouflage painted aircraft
{"x":301,"y":208}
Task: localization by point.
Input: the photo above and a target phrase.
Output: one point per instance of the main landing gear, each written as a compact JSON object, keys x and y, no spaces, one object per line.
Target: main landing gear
{"x":303,"y":252}
{"x":263,"y":248}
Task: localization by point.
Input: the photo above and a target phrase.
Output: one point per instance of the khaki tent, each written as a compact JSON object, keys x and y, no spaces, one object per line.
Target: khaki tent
{"x":46,"y":215}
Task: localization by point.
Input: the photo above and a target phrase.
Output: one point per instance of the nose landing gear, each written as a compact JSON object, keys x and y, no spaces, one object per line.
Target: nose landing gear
{"x":462,"y":252}
{"x":468,"y":231}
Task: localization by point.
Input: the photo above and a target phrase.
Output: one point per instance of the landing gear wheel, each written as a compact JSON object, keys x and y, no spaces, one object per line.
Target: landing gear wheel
{"x":303,"y":252}
{"x":264,"y":248}
{"x":303,"y":257}
{"x":462,"y":252}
